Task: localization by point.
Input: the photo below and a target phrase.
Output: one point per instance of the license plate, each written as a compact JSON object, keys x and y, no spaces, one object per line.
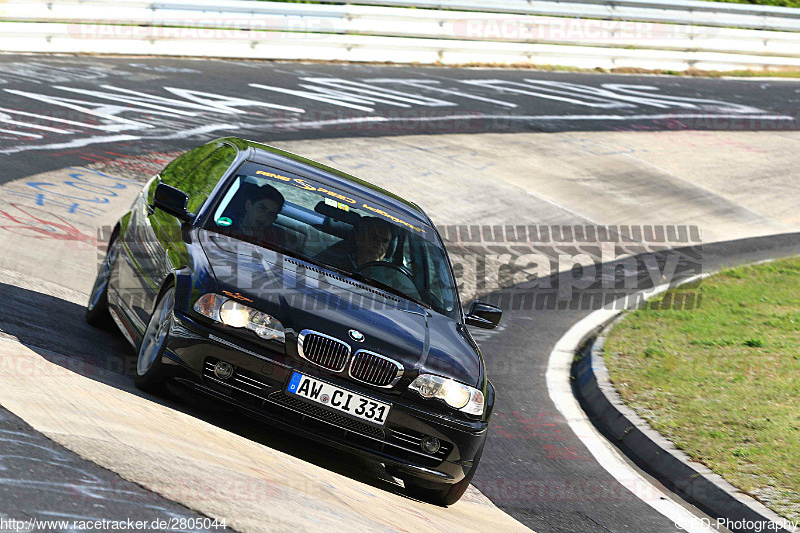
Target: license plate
{"x":337,"y":398}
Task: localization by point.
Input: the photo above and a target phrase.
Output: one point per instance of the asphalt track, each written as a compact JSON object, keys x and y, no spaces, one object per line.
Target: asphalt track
{"x":534,"y":468}
{"x":41,"y":480}
{"x":56,"y":112}
{"x":552,"y":480}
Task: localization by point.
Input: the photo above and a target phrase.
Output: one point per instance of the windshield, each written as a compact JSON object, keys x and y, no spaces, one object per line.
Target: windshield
{"x":313,"y":221}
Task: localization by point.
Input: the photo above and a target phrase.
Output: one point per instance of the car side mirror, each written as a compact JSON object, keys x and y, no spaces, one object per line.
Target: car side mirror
{"x":483,"y":315}
{"x":172,"y":201}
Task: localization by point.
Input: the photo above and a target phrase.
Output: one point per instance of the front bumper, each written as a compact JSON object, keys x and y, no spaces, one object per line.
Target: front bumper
{"x":258,"y":388}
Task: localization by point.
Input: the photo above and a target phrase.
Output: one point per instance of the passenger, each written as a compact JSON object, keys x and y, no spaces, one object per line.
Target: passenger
{"x":372,"y":237}
{"x":260,"y":211}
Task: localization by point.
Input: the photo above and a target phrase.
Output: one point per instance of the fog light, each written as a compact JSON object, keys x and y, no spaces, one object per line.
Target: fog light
{"x":430,"y":445}
{"x":223,"y":370}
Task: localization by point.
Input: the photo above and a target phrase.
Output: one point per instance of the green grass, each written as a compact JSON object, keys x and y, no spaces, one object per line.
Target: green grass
{"x":757,"y":73}
{"x":722,"y":381}
{"x":783,"y":3}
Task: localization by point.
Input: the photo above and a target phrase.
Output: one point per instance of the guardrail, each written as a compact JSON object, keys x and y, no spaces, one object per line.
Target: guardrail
{"x":623,"y":35}
{"x":700,"y":12}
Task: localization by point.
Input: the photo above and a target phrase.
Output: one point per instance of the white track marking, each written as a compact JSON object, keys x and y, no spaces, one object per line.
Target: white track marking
{"x":665,"y":116}
{"x":199,"y":131}
{"x":338,"y":98}
{"x":478,"y":116}
{"x":227,"y":104}
{"x":6,"y":119}
{"x":50,"y":119}
{"x":20,"y":134}
{"x":105,"y":111}
{"x":333,"y":122}
{"x":560,"y":389}
{"x":427,"y":85}
{"x":559,"y":91}
{"x":77,"y":143}
{"x":126,"y":100}
{"x":379,"y":94}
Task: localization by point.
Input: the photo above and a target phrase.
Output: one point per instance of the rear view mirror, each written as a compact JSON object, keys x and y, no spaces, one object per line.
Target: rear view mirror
{"x":172,"y":201}
{"x":483,"y":315}
{"x":336,"y":213}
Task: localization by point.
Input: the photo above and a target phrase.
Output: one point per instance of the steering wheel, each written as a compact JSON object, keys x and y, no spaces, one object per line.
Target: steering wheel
{"x":386,"y":264}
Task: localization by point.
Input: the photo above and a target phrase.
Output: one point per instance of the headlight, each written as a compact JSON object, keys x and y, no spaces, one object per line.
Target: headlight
{"x":233,"y":314}
{"x":462,"y":397}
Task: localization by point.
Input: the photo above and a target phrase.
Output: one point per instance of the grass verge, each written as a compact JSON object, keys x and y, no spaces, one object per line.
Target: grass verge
{"x":784,"y":3}
{"x":722,"y":381}
{"x":690,"y":73}
{"x":781,"y":3}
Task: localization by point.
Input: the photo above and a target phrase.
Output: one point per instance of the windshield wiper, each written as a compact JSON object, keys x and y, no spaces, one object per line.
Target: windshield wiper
{"x":388,"y":288}
{"x":284,"y":250}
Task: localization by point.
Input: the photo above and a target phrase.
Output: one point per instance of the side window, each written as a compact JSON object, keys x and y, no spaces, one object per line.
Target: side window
{"x":199,"y":183}
{"x":414,"y":260}
{"x":406,"y":253}
{"x":437,"y":277}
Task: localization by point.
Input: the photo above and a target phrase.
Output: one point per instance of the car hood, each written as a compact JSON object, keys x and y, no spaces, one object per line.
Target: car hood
{"x":305,"y":297}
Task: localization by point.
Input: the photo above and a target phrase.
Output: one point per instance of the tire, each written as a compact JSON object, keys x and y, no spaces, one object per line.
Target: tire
{"x":97,"y":313}
{"x":443,"y":494}
{"x":150,"y":371}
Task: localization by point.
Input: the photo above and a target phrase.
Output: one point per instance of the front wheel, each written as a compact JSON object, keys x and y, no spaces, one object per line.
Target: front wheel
{"x":442,"y":493}
{"x":97,"y":309}
{"x":149,"y":367}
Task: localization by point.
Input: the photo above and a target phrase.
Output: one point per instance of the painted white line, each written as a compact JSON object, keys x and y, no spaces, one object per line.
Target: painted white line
{"x":86,"y":141}
{"x":199,"y":131}
{"x":77,"y":143}
{"x":560,"y":390}
{"x":664,"y":116}
{"x":50,"y":119}
{"x":546,"y":118}
{"x":20,"y":134}
{"x":480,"y":116}
{"x":355,"y":120}
{"x":331,"y":122}
{"x":319,"y":97}
{"x":426,"y":84}
{"x":6,"y":119}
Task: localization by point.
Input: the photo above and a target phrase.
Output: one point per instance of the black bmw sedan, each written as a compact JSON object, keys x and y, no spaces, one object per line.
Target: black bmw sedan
{"x":311,"y":300}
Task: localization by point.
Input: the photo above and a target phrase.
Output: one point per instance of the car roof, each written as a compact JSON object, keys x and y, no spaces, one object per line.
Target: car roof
{"x":272,"y":156}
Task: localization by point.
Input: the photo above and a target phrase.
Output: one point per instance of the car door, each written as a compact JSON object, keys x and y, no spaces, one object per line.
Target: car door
{"x":171,"y":252}
{"x":154,"y":236}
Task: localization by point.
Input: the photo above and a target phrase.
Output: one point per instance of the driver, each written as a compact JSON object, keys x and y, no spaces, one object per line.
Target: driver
{"x":372,"y":238}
